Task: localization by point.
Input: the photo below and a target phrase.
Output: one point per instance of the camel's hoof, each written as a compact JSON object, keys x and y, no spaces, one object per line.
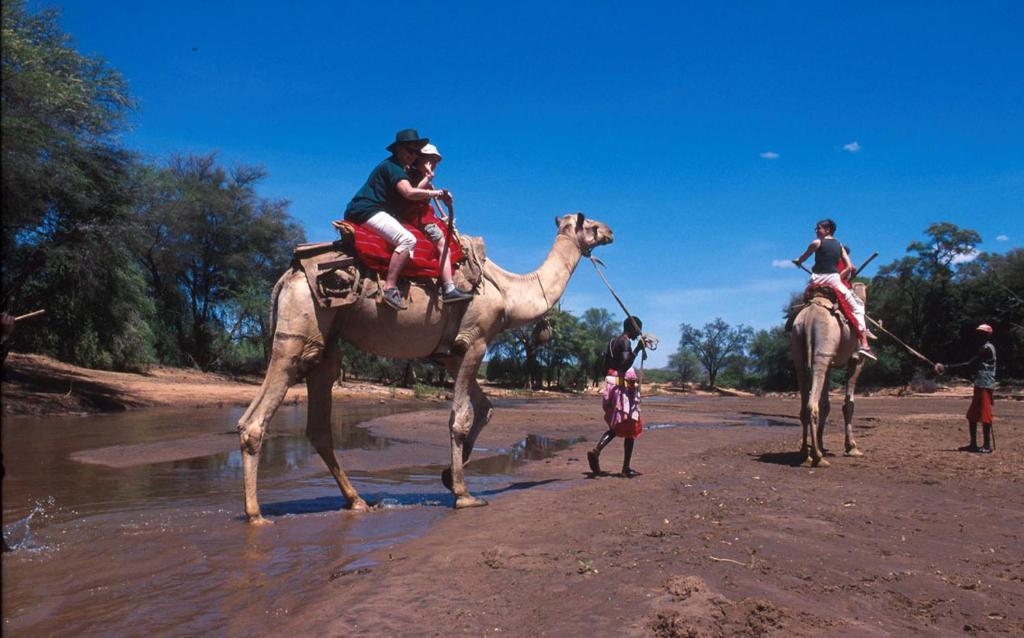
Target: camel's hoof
{"x":854,"y":452}
{"x":259,"y":521}
{"x":358,"y":505}
{"x":446,"y":478}
{"x":807,"y":462}
{"x":822,"y":462}
{"x":463,"y":502}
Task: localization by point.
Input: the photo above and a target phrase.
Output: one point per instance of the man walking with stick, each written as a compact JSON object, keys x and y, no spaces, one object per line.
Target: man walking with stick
{"x":984,"y":384}
{"x":621,"y":396}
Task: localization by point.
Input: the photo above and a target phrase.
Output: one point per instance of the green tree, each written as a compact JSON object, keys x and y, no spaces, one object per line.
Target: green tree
{"x":685,"y":365}
{"x":770,"y":360}
{"x":600,"y":326}
{"x":212,"y":250}
{"x":921,"y":298}
{"x":715,"y":345}
{"x":68,"y":189}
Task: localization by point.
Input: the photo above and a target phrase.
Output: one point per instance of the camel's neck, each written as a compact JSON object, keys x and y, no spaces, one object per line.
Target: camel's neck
{"x":529,"y":296}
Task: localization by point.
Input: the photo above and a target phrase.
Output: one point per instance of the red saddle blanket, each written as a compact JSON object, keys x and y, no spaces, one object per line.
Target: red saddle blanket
{"x":375,"y":253}
{"x":844,"y":307}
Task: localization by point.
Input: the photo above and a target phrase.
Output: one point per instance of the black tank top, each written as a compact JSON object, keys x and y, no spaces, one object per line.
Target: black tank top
{"x":827,"y":257}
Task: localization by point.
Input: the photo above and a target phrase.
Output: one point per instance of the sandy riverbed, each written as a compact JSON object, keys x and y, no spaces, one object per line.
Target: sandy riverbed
{"x":722,"y":535}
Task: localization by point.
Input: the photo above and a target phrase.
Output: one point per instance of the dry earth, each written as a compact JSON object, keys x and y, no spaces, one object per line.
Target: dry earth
{"x":723,"y":535}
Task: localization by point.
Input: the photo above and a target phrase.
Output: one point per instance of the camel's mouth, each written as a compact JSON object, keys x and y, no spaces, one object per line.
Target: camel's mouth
{"x":605,"y":237}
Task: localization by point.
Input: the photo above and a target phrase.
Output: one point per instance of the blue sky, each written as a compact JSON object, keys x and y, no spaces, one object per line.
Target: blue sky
{"x":709,"y":136}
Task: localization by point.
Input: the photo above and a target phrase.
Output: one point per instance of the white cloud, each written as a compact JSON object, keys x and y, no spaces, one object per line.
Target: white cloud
{"x":684,"y":296}
{"x":963,"y":259}
{"x":769,"y":155}
{"x":783,"y":263}
{"x":852,"y":147}
{"x":1002,"y":238}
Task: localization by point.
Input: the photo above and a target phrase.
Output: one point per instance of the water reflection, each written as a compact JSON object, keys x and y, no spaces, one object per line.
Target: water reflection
{"x":129,"y":523}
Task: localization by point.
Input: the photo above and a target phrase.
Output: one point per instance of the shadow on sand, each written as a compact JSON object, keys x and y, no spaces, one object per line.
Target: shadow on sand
{"x":429,"y":499}
{"x":792,"y":459}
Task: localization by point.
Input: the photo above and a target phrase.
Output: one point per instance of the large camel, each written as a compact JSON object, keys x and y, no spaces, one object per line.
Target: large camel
{"x":817,"y":344}
{"x":306,"y":337}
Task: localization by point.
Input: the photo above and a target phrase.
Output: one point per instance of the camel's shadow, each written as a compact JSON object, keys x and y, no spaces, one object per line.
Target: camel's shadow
{"x":792,"y":459}
{"x":384,"y":500}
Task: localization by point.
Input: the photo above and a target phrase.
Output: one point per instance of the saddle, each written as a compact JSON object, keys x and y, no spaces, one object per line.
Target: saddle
{"x":341,"y":272}
{"x":827,"y":298}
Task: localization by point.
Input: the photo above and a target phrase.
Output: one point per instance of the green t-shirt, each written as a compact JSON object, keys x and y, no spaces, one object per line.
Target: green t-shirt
{"x":379,"y":193}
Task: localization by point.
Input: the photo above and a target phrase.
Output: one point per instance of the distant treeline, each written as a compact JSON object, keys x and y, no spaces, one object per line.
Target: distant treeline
{"x":139,"y":262}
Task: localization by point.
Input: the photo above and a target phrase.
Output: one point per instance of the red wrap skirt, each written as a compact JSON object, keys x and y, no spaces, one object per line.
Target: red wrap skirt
{"x":981,"y":406}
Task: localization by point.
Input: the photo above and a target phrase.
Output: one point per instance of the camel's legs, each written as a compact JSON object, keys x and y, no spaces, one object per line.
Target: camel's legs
{"x":853,"y":370}
{"x":482,"y":411}
{"x":281,"y":374}
{"x":459,"y":421}
{"x":824,"y":409}
{"x":804,"y":384}
{"x":319,"y":382}
{"x":818,"y":374}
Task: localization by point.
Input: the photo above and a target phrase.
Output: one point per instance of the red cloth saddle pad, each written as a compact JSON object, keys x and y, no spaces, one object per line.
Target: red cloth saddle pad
{"x":840,"y":300}
{"x":375,"y":253}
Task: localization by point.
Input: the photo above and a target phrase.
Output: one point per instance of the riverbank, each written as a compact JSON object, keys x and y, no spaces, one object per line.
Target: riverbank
{"x":36,"y":384}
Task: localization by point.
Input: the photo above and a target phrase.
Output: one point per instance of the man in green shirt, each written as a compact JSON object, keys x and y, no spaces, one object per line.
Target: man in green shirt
{"x":378,"y":204}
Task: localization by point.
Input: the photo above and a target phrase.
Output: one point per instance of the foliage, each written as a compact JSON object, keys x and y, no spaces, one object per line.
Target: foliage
{"x":685,"y":365}
{"x":771,"y":366}
{"x":934,"y":298}
{"x":68,"y":191}
{"x":212,"y":248}
{"x":715,"y":345}
{"x":559,"y":350}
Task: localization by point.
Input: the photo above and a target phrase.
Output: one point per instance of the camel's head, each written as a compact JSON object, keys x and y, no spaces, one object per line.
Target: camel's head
{"x":587,"y":233}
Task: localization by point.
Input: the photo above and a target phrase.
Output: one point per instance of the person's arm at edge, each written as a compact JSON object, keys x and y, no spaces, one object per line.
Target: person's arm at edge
{"x":813,"y":246}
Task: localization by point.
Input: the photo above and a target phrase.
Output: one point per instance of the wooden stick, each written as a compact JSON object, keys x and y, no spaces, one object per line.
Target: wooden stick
{"x":864,"y":265}
{"x":33,"y":314}
{"x":728,"y":560}
{"x":896,"y":339}
{"x":803,"y":268}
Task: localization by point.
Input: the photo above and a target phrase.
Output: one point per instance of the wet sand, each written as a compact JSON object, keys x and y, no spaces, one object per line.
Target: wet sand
{"x":722,"y":535}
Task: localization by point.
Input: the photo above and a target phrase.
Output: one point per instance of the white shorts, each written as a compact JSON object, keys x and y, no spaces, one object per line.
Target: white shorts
{"x":833,"y":281}
{"x":392,"y":231}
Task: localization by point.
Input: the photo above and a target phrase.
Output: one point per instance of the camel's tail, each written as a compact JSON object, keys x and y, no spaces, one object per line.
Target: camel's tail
{"x":273,"y":303}
{"x":808,"y":347}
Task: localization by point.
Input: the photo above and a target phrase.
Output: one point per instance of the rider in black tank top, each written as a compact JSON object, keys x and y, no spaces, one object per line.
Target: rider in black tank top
{"x":829,"y":261}
{"x":827,"y":256}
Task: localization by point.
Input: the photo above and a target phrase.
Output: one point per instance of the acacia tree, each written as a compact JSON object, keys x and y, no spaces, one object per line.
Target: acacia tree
{"x":68,"y":189}
{"x":715,"y":345}
{"x":212,"y":249}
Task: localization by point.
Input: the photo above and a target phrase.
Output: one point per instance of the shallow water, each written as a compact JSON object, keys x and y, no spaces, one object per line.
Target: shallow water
{"x":131,"y":524}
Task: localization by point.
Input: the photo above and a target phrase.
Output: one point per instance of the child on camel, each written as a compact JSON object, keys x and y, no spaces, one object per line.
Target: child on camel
{"x":421,"y":214}
{"x":984,"y":384}
{"x":828,"y":254}
{"x":379,"y":202}
{"x":621,"y":399}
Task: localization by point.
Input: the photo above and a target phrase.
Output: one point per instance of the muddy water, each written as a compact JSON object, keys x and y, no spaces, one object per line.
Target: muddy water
{"x":130,"y":524}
